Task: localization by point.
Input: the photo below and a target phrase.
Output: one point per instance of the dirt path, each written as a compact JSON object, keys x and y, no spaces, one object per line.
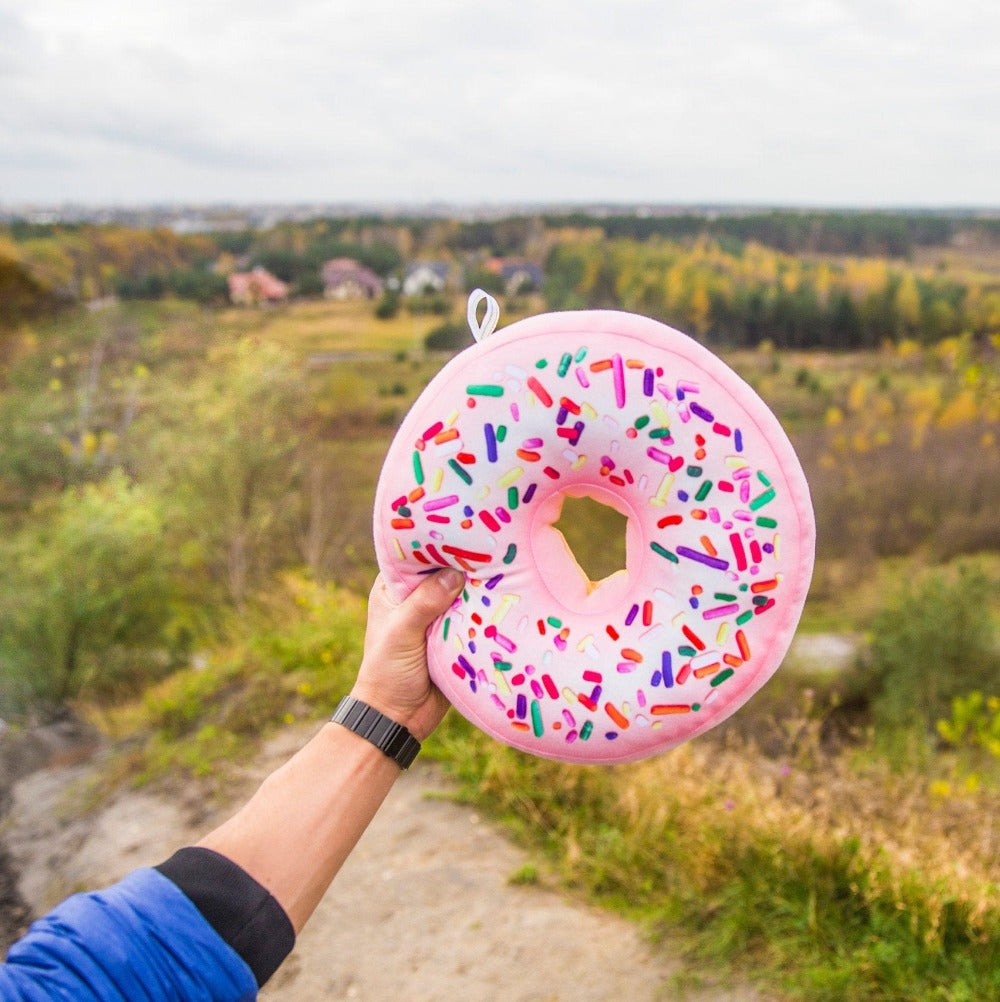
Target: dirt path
{"x":423,"y":910}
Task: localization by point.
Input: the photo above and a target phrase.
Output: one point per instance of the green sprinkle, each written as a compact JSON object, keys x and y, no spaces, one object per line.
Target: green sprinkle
{"x":457,"y":467}
{"x":764,"y":499}
{"x":536,"y":719}
{"x":744,"y":617}
{"x":586,"y":729}
{"x":660,"y":433}
{"x":418,"y":468}
{"x":553,"y":622}
{"x":641,"y":422}
{"x":564,"y":364}
{"x":767,"y":523}
{"x":763,"y":479}
{"x":541,"y":363}
{"x":512,"y":498}
{"x":444,"y":632}
{"x":664,"y":552}
{"x":503,"y":665}
{"x":501,"y":432}
{"x":694,"y":471}
{"x":686,"y":652}
{"x":484,"y":390}
{"x":510,"y":554}
{"x":403,"y":512}
{"x":721,"y":596}
{"x":581,"y":355}
{"x":703,"y":491}
{"x":721,"y":677}
{"x":696,"y":707}
{"x":415,"y":544}
{"x":760,"y":600}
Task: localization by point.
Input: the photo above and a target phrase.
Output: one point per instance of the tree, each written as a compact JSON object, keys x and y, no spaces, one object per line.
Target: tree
{"x":87,"y":597}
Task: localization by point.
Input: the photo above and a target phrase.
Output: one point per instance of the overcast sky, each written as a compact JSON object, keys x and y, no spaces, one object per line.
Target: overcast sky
{"x":819,"y":102}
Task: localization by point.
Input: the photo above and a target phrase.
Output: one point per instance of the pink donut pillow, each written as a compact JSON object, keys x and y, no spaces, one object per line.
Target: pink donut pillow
{"x":719,"y":539}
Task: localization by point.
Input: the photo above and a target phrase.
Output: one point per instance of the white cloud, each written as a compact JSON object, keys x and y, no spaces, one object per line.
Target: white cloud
{"x":857,"y":101}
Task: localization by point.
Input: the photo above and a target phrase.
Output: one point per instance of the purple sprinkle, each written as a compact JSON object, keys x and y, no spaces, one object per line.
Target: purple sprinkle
{"x":632,"y":613}
{"x":529,"y":494}
{"x":702,"y":558}
{"x":491,"y":442}
{"x":655,"y":680}
{"x":768,"y":547}
{"x":562,"y":415}
{"x":738,"y":439}
{"x":647,"y":382}
{"x":682,"y":495}
{"x":472,"y":647}
{"x":705,"y":415}
{"x":668,"y":674}
{"x":494,"y":581}
{"x":465,"y":664}
{"x":595,"y":693}
{"x":522,"y":706}
{"x":611,"y":735}
{"x":468,"y":511}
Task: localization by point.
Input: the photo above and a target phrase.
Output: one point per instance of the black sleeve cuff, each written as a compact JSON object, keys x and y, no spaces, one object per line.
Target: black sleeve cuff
{"x":240,"y":910}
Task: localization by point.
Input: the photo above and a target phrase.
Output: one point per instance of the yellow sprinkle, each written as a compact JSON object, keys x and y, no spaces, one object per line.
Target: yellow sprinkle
{"x":510,"y":476}
{"x":452,"y":418}
{"x":777,"y":546}
{"x":588,"y":411}
{"x":736,"y":462}
{"x":484,"y":493}
{"x":660,"y":413}
{"x":723,"y":635}
{"x":588,"y":639}
{"x":569,"y":695}
{"x":437,"y":478}
{"x":399,"y":549}
{"x":506,"y":604}
{"x":501,"y":682}
{"x":659,"y":499}
{"x":579,"y":462}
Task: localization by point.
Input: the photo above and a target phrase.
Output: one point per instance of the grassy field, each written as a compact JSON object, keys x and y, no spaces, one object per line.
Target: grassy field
{"x":790,"y":842}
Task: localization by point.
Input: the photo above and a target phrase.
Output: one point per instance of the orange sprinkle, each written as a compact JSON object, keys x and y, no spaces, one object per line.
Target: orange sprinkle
{"x":741,"y":642}
{"x":662,"y":709}
{"x":528,"y":456}
{"x":445,"y":436}
{"x":631,"y":655}
{"x":604,"y":363}
{"x":416,"y":495}
{"x":758,"y":586}
{"x":709,"y":548}
{"x":732,"y":660}
{"x":402,"y":523}
{"x":707,"y":670}
{"x":699,"y":514}
{"x":634,"y":363}
{"x":615,"y":714}
{"x":519,"y":725}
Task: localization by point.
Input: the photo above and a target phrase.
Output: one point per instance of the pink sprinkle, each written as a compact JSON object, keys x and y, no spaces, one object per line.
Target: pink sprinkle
{"x":445,"y":502}
{"x":658,"y":455}
{"x":719,"y":611}
{"x":581,"y":378}
{"x":619,"y":373}
{"x":534,"y":443}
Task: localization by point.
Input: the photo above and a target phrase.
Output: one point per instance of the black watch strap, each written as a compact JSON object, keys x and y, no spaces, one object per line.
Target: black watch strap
{"x":388,"y":736}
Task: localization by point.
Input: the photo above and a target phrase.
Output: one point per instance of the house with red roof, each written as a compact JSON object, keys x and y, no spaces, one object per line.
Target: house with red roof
{"x":250,"y":288}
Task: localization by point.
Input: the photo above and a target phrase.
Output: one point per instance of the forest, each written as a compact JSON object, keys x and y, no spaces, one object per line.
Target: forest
{"x":186,"y":489}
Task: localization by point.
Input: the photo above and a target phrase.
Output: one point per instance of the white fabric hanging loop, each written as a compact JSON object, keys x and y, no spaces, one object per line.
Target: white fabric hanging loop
{"x":491,"y":318}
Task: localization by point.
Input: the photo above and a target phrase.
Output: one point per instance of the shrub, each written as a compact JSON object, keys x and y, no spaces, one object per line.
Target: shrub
{"x":932,"y":640}
{"x":448,"y":336}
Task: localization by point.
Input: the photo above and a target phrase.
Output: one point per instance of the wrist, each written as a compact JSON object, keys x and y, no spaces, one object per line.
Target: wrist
{"x":388,"y":735}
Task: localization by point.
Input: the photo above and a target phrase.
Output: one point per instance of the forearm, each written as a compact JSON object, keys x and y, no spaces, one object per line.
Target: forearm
{"x":296,"y":831}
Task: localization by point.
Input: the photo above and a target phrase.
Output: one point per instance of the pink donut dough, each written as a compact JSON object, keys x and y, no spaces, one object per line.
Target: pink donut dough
{"x":719,"y":540}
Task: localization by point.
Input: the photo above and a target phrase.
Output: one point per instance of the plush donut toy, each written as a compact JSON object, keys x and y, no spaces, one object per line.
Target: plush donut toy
{"x":719,"y":538}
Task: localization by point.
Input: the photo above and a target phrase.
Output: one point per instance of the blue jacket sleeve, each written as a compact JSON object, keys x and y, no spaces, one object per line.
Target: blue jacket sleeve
{"x":139,"y":940}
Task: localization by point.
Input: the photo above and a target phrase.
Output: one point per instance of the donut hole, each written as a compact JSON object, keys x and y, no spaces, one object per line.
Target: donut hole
{"x":592,"y":522}
{"x":595,"y":534}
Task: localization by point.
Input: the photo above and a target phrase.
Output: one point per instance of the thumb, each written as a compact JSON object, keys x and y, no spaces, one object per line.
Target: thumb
{"x":429,"y":600}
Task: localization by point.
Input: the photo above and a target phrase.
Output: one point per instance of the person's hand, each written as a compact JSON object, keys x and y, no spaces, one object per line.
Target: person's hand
{"x":393,"y":676}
